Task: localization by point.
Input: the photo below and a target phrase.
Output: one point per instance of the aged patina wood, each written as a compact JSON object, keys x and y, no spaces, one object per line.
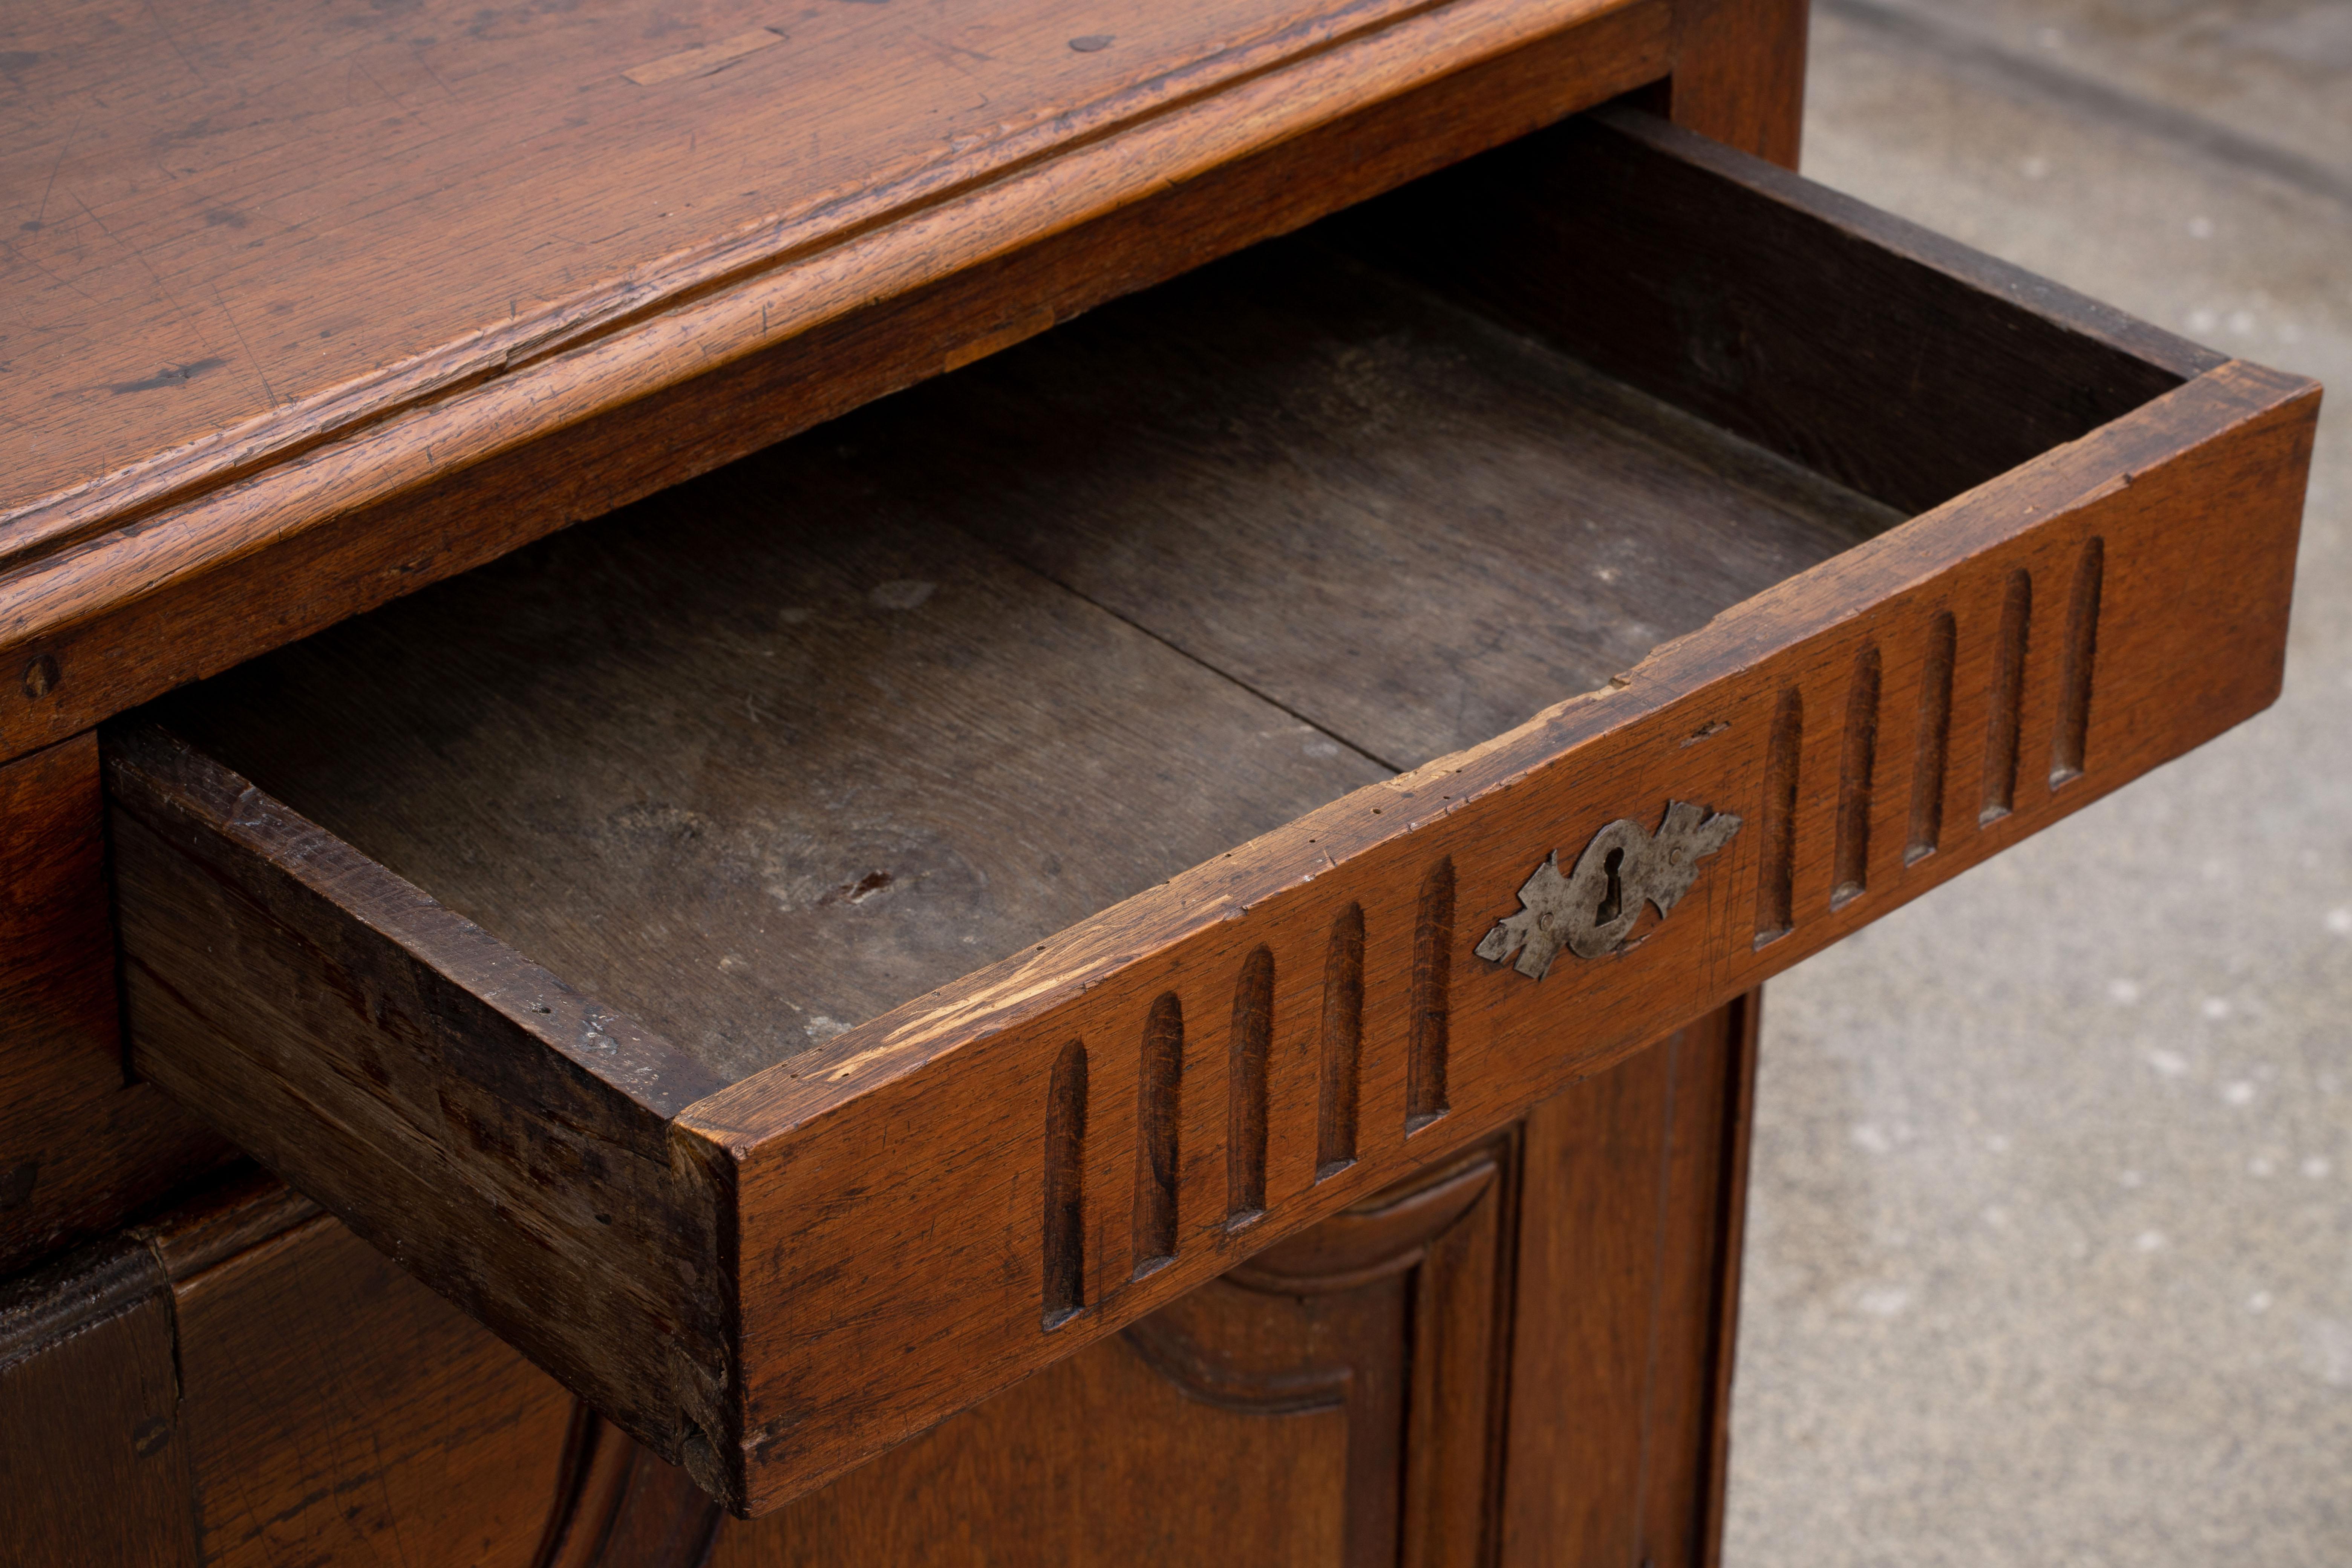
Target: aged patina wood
{"x":905,"y":1215}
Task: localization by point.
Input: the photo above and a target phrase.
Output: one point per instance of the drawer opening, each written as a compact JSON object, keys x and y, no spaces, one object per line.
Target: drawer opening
{"x":800,"y":951}
{"x":764,"y":757}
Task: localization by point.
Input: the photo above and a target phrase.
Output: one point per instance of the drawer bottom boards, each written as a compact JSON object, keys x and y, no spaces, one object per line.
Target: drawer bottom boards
{"x":809,"y":949}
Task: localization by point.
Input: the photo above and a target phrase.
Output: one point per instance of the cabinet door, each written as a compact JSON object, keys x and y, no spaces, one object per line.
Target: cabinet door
{"x":1518,"y":1356}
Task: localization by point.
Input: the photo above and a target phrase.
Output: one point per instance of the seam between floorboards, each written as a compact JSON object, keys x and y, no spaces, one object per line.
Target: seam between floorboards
{"x":1183,"y":652}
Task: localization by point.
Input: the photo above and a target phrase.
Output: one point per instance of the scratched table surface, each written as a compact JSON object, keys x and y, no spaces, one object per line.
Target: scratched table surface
{"x":259,"y":213}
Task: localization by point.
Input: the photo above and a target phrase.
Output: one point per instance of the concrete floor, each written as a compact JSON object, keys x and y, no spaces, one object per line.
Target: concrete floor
{"x":2050,"y":1256}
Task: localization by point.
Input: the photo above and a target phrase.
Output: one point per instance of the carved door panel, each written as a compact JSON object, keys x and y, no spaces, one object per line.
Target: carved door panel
{"x":1520,"y":1356}
{"x":1335,"y":1401}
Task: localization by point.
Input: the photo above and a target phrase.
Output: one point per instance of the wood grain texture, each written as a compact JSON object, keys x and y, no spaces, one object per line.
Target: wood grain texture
{"x":623,"y":1508}
{"x":384,"y":1059}
{"x":207,"y":557}
{"x":794,"y":1182}
{"x":1397,"y":521}
{"x":1746,"y":1032}
{"x":81,"y":1145}
{"x":1740,"y":74}
{"x":766,"y":755}
{"x":350,"y":160}
{"x":94,"y":1452}
{"x":1333,"y":1401}
{"x":1627,"y":1275}
{"x":241,"y":1381}
{"x":337,"y":1410}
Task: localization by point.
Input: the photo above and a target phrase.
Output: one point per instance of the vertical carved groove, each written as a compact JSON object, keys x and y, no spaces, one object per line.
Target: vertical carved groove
{"x":1935,"y":745}
{"x":1776,"y":883}
{"x":2082,"y":649}
{"x":2008,"y":698}
{"x":1065,"y":1165}
{"x":1432,"y":979}
{"x":1858,"y":763}
{"x":1343,"y":1043}
{"x":1159,"y":1106}
{"x":1246,"y":1089}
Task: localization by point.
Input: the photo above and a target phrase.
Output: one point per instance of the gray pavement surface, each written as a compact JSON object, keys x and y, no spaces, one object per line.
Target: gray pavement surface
{"x":2050,"y":1248}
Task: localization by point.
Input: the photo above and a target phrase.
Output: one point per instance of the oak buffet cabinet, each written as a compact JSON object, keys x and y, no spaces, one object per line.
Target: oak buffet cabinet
{"x":887,"y":783}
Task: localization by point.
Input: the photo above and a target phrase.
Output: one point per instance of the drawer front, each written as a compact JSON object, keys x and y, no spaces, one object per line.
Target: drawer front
{"x":1889,"y":719}
{"x":775,"y":1276}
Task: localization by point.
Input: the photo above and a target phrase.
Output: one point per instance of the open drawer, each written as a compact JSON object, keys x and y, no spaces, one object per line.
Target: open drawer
{"x":804,"y":951}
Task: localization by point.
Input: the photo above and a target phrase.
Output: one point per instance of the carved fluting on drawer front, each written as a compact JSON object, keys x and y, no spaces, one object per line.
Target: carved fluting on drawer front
{"x":1433,"y":978}
{"x":2019,"y":693}
{"x":1854,"y":773}
{"x":1342,"y":1045}
{"x":1246,"y":1089}
{"x":2005,"y":697}
{"x":1158,"y":1096}
{"x":1065,"y":1251}
{"x":1776,"y":877}
{"x":2074,"y":730}
{"x":1159,"y":1107}
{"x":1933,"y":744}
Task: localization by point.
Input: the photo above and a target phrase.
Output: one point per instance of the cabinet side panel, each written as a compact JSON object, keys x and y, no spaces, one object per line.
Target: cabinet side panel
{"x":80,"y":1148}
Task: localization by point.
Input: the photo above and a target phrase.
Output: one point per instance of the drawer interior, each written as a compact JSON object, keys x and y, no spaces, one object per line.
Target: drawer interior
{"x":762,"y":757}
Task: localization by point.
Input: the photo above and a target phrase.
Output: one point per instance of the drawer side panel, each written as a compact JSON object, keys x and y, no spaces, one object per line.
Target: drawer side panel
{"x":496,"y":1132}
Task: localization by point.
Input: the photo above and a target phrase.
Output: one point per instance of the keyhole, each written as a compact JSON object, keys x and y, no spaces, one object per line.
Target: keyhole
{"x":1614,"y":899}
